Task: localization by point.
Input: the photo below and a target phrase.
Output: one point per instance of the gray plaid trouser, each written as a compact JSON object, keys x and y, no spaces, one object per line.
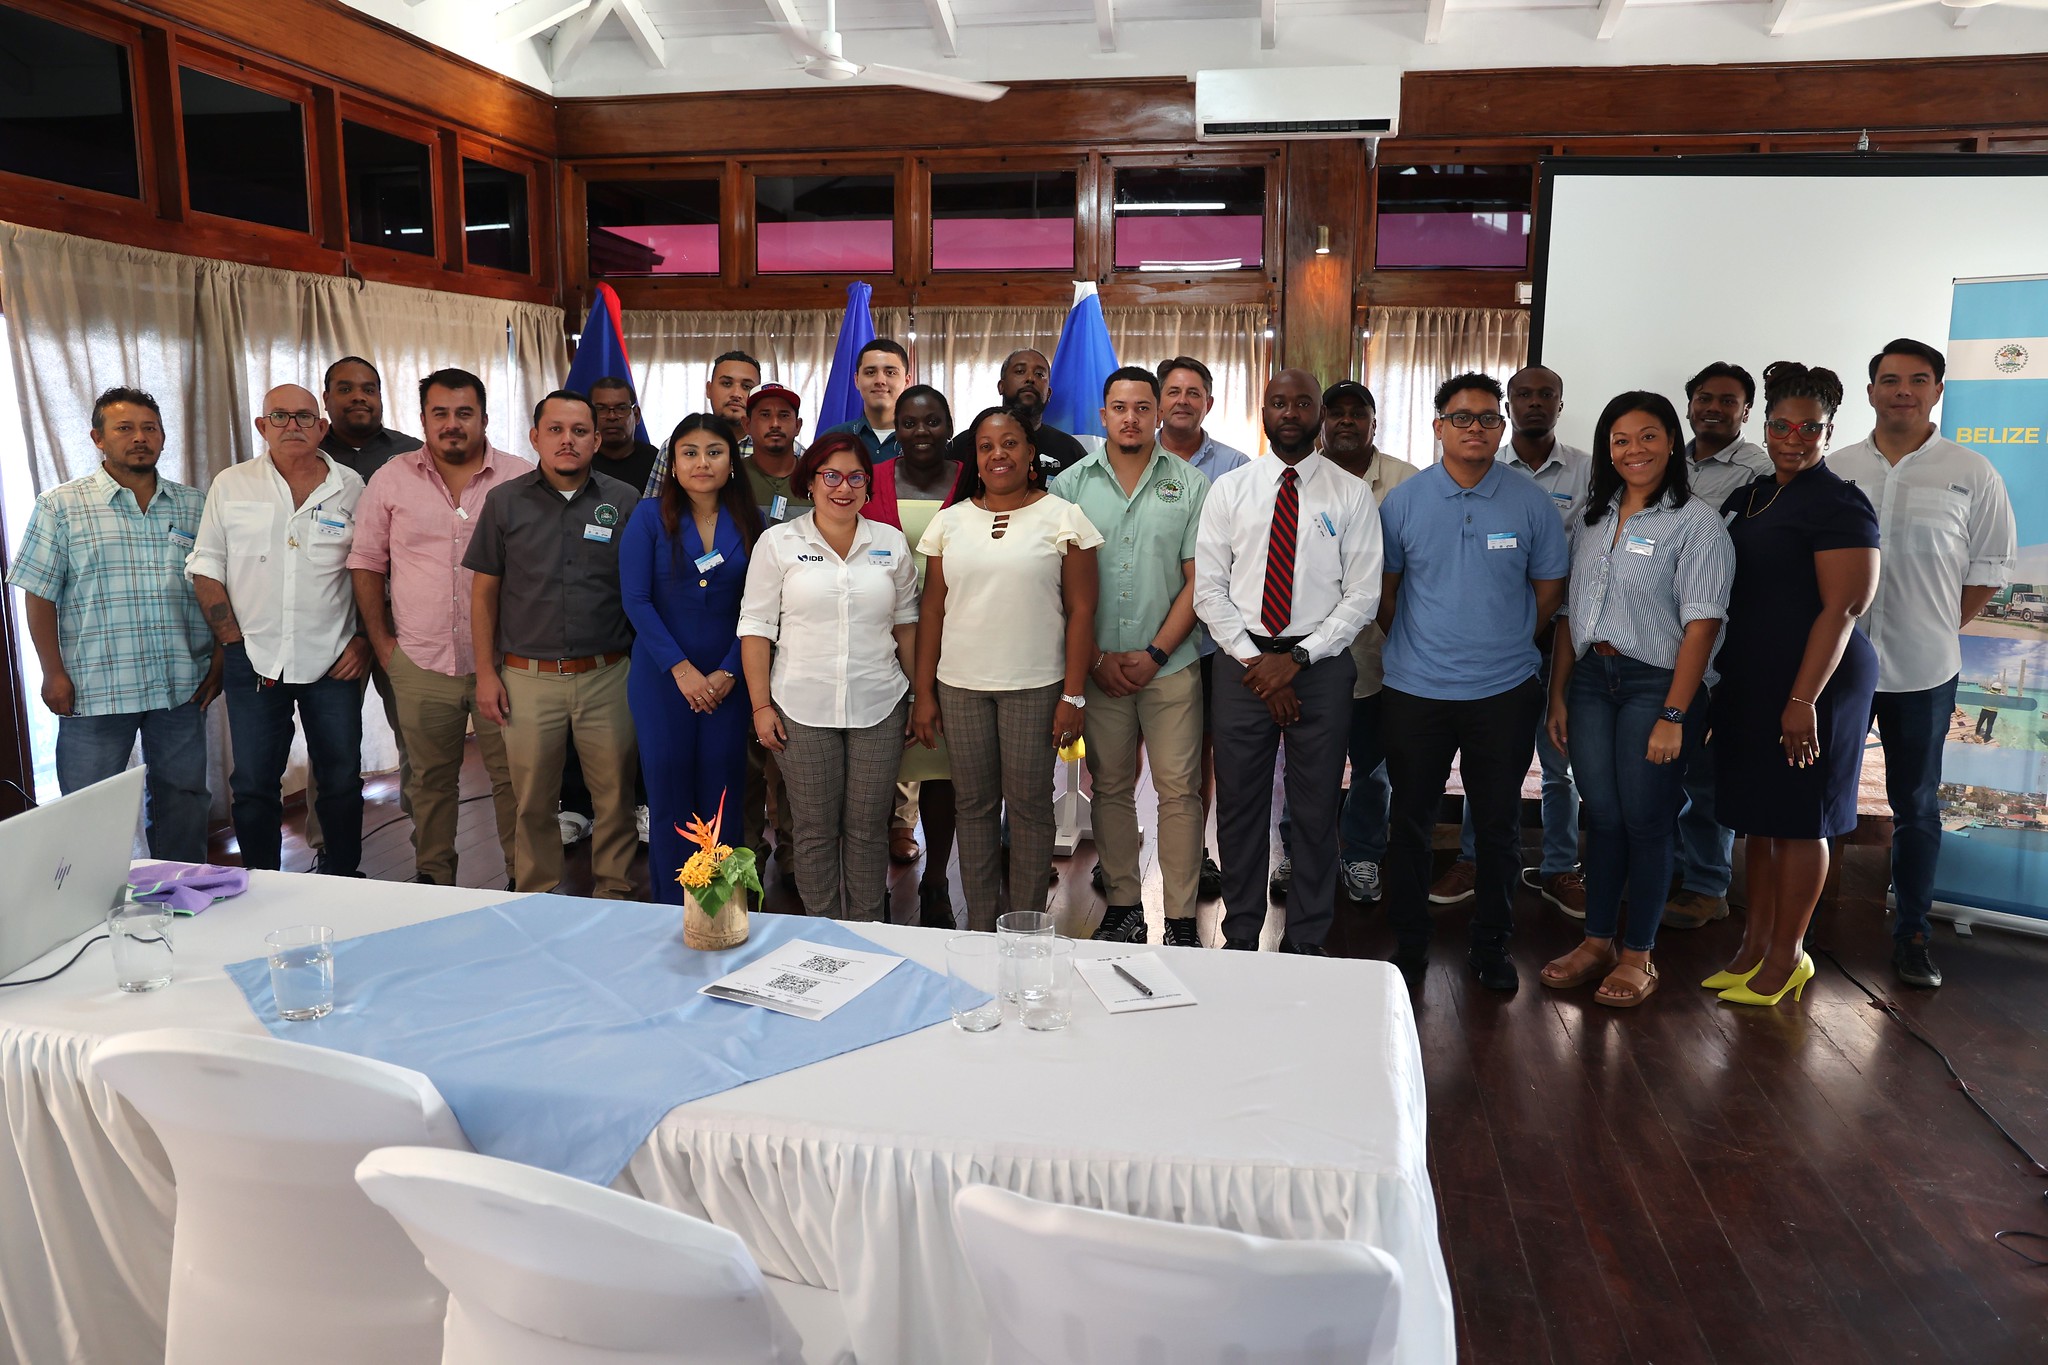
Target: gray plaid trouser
{"x":842,"y":784}
{"x":1003,"y":755}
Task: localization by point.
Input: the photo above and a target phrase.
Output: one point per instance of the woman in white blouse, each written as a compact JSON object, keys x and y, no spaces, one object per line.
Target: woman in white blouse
{"x":827,"y":629}
{"x":1004,"y":645}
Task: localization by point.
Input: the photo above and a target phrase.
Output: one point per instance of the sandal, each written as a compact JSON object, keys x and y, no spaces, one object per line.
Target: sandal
{"x":1632,"y":985}
{"x":1598,"y":964}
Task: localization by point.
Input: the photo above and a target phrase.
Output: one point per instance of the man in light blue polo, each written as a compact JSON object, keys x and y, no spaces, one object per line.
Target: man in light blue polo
{"x":1476,"y":566}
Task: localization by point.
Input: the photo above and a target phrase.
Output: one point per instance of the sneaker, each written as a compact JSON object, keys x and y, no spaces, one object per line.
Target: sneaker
{"x":575,"y":828}
{"x":1566,"y":892}
{"x":1209,"y":881}
{"x":1693,"y":910}
{"x":1362,"y":881}
{"x":1456,"y":885}
{"x":1121,"y":924}
{"x":1181,"y":933}
{"x":1911,"y":961}
{"x":640,"y":822}
{"x":1283,"y":880}
{"x":1494,"y":968}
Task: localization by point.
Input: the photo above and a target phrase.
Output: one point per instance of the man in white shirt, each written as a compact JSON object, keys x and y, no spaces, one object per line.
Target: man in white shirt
{"x":1948,"y":539}
{"x":270,"y":568}
{"x":1287,"y":572}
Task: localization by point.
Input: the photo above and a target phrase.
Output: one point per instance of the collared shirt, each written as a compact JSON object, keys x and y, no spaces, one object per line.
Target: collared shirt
{"x":559,"y":561}
{"x":1057,"y":451}
{"x":128,"y":626}
{"x":659,"y":473}
{"x":1388,"y":472}
{"x":370,"y":456}
{"x":833,"y":621}
{"x":1465,"y":622}
{"x":1336,"y":556}
{"x":409,"y":527}
{"x":1945,"y":522}
{"x":772,"y":493}
{"x":880,"y":448}
{"x":1214,"y":460}
{"x":1146,"y":539}
{"x":285,"y":566}
{"x":1565,"y":475}
{"x":1671,"y":566}
{"x":1714,"y":478}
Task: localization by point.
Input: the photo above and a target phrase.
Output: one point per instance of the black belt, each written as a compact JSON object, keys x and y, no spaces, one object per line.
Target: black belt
{"x":1276,"y":644}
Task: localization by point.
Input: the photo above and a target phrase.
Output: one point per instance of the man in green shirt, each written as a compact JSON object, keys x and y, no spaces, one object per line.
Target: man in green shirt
{"x":774,"y":420}
{"x":1147,"y":503}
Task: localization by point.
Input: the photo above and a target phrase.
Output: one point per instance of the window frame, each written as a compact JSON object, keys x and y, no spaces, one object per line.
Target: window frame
{"x":901,"y":241}
{"x":1452,"y":156}
{"x":539,"y":225}
{"x":131,"y":38}
{"x":221,"y":66}
{"x":923,"y":221}
{"x":370,"y":116}
{"x":1272,"y":247}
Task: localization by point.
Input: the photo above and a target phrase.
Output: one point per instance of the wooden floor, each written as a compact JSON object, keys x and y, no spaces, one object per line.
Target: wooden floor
{"x":1684,"y":1182}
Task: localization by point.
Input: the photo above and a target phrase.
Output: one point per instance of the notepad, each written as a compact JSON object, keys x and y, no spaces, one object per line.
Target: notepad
{"x":1119,"y":996}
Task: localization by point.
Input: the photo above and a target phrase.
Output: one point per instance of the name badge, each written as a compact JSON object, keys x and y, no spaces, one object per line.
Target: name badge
{"x":882,"y":557}
{"x":1641,"y":545}
{"x":328,"y":527}
{"x":600,"y":534}
{"x":706,"y":563}
{"x":778,"y":508}
{"x":1329,"y":526}
{"x":1564,"y":498}
{"x":182,"y":539}
{"x":1500,"y":540}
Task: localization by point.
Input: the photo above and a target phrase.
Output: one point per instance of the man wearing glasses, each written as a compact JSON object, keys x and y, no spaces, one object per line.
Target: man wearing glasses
{"x":1476,"y":564}
{"x":270,"y":568}
{"x":620,"y":451}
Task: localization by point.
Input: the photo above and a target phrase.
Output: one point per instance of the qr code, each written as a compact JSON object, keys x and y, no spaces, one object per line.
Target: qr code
{"x":826,"y":966}
{"x":794,"y":984}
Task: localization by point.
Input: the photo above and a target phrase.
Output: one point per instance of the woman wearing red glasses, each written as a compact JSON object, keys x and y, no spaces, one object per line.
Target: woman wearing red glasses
{"x":1796,"y":679}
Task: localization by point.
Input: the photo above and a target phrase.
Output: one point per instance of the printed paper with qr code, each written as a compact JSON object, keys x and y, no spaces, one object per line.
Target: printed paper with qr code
{"x":804,"y":979}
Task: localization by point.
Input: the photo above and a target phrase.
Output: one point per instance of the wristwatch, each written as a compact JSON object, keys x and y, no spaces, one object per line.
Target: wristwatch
{"x":1076,"y":702}
{"x":1299,"y":655}
{"x":1672,"y":714}
{"x":1158,"y":654}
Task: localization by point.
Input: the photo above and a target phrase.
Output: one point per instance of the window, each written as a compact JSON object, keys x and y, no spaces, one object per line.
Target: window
{"x":494,"y":229}
{"x":67,"y":112}
{"x":390,"y":190}
{"x":1185,"y":218}
{"x":245,"y":151}
{"x":1454,"y":217}
{"x":653,"y":227}
{"x":1003,"y":220}
{"x":824,"y":224}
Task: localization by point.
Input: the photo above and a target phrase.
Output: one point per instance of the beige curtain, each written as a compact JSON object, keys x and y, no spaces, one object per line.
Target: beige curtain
{"x":1412,"y":350}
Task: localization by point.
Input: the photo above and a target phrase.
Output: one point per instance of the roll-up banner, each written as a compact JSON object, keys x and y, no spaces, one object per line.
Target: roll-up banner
{"x":1994,"y":771}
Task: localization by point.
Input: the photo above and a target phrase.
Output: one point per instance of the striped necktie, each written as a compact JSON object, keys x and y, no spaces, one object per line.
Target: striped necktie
{"x":1276,"y":609}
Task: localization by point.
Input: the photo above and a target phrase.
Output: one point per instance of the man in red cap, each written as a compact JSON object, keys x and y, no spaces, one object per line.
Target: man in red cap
{"x":774,"y":420}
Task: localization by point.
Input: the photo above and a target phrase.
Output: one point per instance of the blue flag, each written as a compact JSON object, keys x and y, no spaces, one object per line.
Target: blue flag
{"x":842,"y":389}
{"x":601,"y":350}
{"x":1081,"y":363}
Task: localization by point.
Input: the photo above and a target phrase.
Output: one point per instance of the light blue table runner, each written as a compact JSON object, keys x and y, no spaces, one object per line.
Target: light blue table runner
{"x":560,"y":1030}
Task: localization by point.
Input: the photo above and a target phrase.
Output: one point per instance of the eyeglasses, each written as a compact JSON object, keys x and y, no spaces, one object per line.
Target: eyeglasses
{"x":833,"y":478}
{"x":282,"y":419}
{"x":612,"y":409}
{"x":1486,"y":421}
{"x":1779,"y":426}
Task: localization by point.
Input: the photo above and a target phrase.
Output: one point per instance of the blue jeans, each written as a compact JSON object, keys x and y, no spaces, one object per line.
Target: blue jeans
{"x":1362,"y":830}
{"x":1631,"y":803}
{"x":1706,"y":847}
{"x":1913,"y":726}
{"x":93,"y":748}
{"x":1560,"y":803}
{"x":260,"y":736}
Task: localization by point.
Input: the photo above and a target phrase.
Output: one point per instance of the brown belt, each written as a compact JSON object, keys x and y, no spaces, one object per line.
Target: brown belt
{"x":1600,"y":647}
{"x":526,"y":665}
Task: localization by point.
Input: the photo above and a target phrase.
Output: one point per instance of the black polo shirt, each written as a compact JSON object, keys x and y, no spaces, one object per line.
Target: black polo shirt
{"x":373,"y":455}
{"x":1057,"y":451}
{"x":557,"y":560}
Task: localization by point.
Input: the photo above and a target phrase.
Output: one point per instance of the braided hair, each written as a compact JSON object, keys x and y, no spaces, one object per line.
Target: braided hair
{"x":1785,"y":379}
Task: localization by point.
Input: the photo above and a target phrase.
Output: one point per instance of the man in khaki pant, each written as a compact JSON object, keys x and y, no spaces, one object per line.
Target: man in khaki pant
{"x":1147,"y":502}
{"x":413,"y":526}
{"x":546,"y":599}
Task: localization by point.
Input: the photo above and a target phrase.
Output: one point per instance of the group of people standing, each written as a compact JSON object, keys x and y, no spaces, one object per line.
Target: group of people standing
{"x":900,"y":624}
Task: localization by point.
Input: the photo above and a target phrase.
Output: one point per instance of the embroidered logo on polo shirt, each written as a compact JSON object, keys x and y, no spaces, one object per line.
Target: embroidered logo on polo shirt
{"x":606,"y":514}
{"x":1170,"y":490}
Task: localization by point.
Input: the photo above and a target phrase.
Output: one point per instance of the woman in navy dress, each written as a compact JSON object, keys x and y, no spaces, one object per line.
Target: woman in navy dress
{"x":682,"y":568}
{"x":1796,"y":679}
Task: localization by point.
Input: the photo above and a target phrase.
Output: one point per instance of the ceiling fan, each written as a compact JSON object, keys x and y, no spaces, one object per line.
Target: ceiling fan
{"x":822,"y":57}
{"x":1850,"y":16}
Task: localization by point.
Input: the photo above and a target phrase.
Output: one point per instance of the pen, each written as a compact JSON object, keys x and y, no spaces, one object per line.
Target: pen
{"x":1143,"y":989}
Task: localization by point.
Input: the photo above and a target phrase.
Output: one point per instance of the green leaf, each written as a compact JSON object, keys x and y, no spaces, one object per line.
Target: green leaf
{"x":737,"y":872}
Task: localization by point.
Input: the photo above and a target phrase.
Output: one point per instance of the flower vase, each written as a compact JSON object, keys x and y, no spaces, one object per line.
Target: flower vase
{"x":726,"y":929}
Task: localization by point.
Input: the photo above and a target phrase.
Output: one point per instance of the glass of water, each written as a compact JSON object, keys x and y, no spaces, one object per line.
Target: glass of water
{"x":302,"y":970}
{"x":1046,"y":986}
{"x":141,"y":936}
{"x":1021,"y":934}
{"x":971,"y":982}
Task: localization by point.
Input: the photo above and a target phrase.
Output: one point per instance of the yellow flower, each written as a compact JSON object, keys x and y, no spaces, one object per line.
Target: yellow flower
{"x":698,"y":871}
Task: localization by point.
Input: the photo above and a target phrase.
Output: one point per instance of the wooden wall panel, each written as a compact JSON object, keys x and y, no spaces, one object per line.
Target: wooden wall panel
{"x":1324,"y":187}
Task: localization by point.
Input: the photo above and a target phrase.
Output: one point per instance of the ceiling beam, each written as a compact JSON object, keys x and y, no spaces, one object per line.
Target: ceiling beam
{"x":1610,"y":18}
{"x":530,"y":17}
{"x":641,"y":29}
{"x":943,"y":28}
{"x":1105,"y":24}
{"x":1779,"y":21}
{"x":1269,"y":24}
{"x":573,"y":38}
{"x":1433,"y":22}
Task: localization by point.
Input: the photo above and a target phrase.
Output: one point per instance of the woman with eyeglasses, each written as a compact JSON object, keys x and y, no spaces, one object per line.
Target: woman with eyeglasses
{"x":1649,"y":588}
{"x":1793,"y":703}
{"x":828,"y":627}
{"x":1004,"y":646}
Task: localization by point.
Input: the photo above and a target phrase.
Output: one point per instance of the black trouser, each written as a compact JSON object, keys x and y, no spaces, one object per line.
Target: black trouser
{"x":1494,"y":738}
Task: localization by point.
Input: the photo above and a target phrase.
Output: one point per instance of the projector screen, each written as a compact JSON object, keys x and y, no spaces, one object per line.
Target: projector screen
{"x":1646,"y":270}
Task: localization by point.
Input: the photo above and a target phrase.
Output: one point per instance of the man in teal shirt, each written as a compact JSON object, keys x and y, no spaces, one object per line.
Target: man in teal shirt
{"x":1147,"y":503}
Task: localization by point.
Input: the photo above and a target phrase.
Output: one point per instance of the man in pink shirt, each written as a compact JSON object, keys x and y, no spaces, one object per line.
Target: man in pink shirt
{"x":412,"y":528}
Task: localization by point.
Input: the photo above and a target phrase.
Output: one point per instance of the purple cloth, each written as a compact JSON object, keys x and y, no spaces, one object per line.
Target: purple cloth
{"x":187,"y":888}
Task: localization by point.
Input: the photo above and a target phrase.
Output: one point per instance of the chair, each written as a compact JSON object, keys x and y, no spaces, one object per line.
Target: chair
{"x":276,"y":1255}
{"x":542,"y":1269}
{"x":1066,"y":1284}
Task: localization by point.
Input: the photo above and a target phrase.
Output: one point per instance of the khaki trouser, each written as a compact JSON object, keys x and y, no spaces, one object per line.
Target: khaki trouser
{"x":434,"y":712}
{"x":904,"y":815}
{"x":545,"y":708}
{"x":1166,"y":714}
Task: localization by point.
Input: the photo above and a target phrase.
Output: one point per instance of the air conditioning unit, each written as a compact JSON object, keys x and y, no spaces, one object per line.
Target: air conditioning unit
{"x":1303,"y":102}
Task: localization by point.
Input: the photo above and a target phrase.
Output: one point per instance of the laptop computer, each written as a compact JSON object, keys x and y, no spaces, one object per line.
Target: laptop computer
{"x":64,"y":865}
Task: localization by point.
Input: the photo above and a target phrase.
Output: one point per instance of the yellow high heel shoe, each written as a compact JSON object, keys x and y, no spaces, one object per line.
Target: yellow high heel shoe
{"x":1795,"y":983}
{"x":1723,"y":979}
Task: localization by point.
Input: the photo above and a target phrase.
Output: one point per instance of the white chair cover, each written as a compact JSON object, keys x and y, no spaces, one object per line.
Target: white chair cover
{"x":275,"y":1254}
{"x":542,"y":1269}
{"x":1064,"y":1284}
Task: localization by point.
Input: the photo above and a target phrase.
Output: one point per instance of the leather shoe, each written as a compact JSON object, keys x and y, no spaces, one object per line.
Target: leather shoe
{"x":1495,"y":969}
{"x":1243,"y":945}
{"x":1288,"y":945}
{"x":903,"y":849}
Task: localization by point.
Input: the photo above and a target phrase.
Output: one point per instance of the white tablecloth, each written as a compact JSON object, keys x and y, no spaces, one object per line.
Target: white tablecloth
{"x":1288,"y":1103}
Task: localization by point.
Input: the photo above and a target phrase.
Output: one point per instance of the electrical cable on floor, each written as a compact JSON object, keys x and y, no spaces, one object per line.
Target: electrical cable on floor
{"x":396,"y":819}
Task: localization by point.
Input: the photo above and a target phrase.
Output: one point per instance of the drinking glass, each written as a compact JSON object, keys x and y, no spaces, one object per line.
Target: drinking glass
{"x":971,"y":972}
{"x":302,"y":970}
{"x":1046,"y":986}
{"x":141,"y":935}
{"x":1021,"y":934}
